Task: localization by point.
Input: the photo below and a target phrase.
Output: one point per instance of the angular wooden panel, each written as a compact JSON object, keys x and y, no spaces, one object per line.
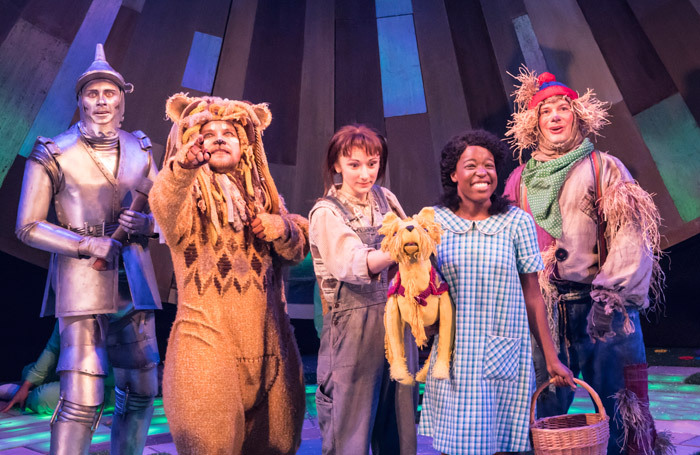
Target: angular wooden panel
{"x":201,"y":62}
{"x":315,"y":105}
{"x":487,"y":103}
{"x":10,"y":11}
{"x":274,"y":72}
{"x":673,"y":137}
{"x":58,"y":18}
{"x":60,"y":104}
{"x":385,"y":8}
{"x":162,"y":37}
{"x":673,"y":27}
{"x":24,"y":83}
{"x":623,"y":139}
{"x":569,"y":47}
{"x":414,"y":179}
{"x":235,"y":50}
{"x":696,"y":4}
{"x":632,"y":60}
{"x":358,"y":87}
{"x":532,"y":53}
{"x":121,"y":34}
{"x":402,"y":82}
{"x":447,"y":108}
{"x":499,"y":16}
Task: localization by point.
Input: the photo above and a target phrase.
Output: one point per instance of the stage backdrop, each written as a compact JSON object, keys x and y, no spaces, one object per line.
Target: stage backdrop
{"x":419,"y":71}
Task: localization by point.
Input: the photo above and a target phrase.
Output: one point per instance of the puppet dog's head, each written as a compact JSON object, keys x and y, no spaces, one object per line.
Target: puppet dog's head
{"x":411,"y":239}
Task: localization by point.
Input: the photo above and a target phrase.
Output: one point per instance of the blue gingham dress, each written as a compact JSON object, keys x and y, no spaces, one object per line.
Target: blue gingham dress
{"x":484,"y":407}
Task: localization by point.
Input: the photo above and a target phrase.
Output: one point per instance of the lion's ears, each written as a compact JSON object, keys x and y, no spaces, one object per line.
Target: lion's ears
{"x":263,"y":113}
{"x":176,"y":105}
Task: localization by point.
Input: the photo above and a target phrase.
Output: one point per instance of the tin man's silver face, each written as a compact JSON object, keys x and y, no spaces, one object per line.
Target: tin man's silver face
{"x":101,"y":106}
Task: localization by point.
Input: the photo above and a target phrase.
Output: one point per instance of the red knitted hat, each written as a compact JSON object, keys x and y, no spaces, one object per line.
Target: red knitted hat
{"x":550,"y":87}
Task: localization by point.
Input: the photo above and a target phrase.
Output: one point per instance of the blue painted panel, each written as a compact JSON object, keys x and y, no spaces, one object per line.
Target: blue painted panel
{"x":393,"y":7}
{"x":201,"y":63}
{"x":402,"y":81}
{"x":673,"y":137}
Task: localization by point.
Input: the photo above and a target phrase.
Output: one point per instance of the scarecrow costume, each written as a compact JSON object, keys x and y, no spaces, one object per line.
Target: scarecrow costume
{"x":598,"y":233}
{"x":233,"y":380}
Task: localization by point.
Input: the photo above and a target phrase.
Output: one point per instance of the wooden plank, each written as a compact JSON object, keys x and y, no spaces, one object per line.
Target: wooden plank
{"x":696,"y":4}
{"x":10,"y":11}
{"x":60,"y":18}
{"x":632,"y":60}
{"x":24,"y":83}
{"x":315,"y":104}
{"x":274,"y":72}
{"x":415,"y":180}
{"x":358,"y":86}
{"x":283,"y":175}
{"x":673,"y":138}
{"x":623,"y":140}
{"x":487,"y":103}
{"x":120,"y":35}
{"x":201,"y":62}
{"x":59,"y":106}
{"x":673,"y":27}
{"x":499,"y":16}
{"x":569,"y":48}
{"x":387,"y":8}
{"x":162,"y":37}
{"x":235,"y":50}
{"x":402,"y":82}
{"x":532,"y":53}
{"x":444,"y":96}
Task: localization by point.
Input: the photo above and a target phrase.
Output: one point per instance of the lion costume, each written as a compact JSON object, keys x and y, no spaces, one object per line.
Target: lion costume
{"x":233,"y":380}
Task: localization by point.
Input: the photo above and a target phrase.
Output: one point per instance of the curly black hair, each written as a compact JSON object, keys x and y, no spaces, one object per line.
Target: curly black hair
{"x":450,"y":156}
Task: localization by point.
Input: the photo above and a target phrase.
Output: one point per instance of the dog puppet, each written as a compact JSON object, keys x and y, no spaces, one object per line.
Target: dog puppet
{"x":417,"y":296}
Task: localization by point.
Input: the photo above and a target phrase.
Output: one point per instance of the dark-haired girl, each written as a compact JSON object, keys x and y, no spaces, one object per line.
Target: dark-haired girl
{"x":358,"y":404}
{"x":489,"y":257}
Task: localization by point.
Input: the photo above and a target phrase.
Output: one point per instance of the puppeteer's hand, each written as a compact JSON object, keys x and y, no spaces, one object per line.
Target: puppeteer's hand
{"x":196,"y":155}
{"x":269,"y":227}
{"x":100,"y":247}
{"x":135,"y":222}
{"x":20,"y":397}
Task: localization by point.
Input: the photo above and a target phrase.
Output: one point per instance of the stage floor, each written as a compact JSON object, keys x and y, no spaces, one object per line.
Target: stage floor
{"x":675,"y":406}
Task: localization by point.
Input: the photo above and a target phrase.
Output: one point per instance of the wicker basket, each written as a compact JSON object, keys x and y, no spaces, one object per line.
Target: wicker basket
{"x":570,"y":434}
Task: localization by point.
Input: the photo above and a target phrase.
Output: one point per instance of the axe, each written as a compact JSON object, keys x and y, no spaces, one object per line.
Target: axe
{"x":137,"y":205}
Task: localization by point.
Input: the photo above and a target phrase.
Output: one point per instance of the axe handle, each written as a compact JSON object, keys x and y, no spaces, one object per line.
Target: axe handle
{"x":120,"y":234}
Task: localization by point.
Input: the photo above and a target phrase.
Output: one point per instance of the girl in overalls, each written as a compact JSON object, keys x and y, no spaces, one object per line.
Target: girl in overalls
{"x":358,"y":404}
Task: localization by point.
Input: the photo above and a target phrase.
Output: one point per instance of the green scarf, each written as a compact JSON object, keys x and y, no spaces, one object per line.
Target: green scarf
{"x":543,"y":180}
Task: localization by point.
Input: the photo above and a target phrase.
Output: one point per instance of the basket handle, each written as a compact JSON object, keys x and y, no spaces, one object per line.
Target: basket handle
{"x":589,"y":389}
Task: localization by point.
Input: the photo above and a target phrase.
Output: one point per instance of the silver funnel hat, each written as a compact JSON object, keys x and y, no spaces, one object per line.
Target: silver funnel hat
{"x":100,"y":69}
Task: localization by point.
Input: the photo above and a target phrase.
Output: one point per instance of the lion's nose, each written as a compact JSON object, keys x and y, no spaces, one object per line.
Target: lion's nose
{"x":409,"y":228}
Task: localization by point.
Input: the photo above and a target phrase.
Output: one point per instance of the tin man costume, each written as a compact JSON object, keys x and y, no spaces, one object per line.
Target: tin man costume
{"x":90,"y":172}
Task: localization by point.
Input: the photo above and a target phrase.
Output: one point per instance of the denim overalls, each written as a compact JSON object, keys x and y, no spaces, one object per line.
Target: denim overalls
{"x":358,"y":404}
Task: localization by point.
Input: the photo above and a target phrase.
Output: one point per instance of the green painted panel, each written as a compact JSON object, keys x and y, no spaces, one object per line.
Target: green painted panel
{"x":29,"y":61}
{"x":673,"y":138}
